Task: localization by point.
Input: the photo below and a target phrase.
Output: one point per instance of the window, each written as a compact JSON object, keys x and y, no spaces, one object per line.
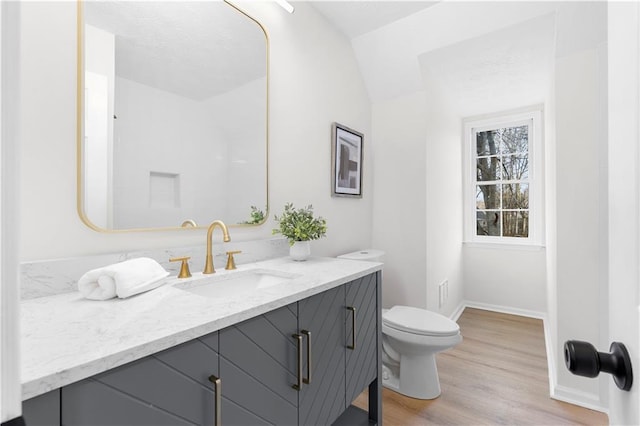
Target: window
{"x":502,"y":190}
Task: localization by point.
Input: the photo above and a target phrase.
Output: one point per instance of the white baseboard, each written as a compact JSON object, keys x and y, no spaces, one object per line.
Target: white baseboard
{"x":551,"y":359}
{"x":560,"y":393}
{"x":576,"y":397}
{"x":457,"y":312}
{"x":504,"y":309}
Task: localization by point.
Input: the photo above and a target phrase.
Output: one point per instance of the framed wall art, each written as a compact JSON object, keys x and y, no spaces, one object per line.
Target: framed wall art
{"x":346,"y":160}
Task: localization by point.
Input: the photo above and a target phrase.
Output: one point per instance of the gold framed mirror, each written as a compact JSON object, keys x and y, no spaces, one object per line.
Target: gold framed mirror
{"x":172,"y":115}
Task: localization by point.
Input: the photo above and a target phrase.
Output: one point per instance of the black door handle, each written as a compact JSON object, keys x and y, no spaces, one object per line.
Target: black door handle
{"x":582,"y":359}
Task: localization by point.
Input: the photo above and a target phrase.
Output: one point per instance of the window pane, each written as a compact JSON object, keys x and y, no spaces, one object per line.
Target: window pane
{"x":487,"y":197}
{"x":515,"y":167}
{"x":513,"y":139}
{"x":488,"y":223}
{"x":488,"y":169}
{"x":516,"y":224}
{"x":486,"y":143}
{"x":515,"y":196}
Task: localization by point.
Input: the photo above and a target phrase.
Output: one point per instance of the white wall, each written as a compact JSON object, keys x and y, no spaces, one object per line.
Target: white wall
{"x":577,"y":197}
{"x":307,"y":57}
{"x":580,"y":203}
{"x":512,"y":279}
{"x":417,"y":210}
{"x":551,"y":221}
{"x":10,"y":395}
{"x":444,"y":203}
{"x":399,"y":202}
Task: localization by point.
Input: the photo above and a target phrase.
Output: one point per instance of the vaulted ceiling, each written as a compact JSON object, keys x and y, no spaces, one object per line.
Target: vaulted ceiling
{"x":355,"y":18}
{"x":485,"y":56}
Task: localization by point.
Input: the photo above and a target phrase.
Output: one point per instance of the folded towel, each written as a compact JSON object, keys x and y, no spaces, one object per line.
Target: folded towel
{"x":122,"y":279}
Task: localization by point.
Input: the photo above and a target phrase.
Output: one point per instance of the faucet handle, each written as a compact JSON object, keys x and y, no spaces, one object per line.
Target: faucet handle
{"x":184,"y":267}
{"x":231,"y":264}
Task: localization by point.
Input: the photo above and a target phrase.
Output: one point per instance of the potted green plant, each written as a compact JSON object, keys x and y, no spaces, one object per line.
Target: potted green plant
{"x":299,"y":227}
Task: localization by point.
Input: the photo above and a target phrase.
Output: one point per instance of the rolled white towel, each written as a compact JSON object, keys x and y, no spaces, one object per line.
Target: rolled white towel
{"x":122,"y":279}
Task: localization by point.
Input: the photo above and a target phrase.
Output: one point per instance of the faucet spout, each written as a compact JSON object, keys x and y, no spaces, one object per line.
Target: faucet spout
{"x":208,"y":265}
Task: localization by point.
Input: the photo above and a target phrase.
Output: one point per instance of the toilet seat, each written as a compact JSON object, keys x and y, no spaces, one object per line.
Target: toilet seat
{"x":419,"y":321}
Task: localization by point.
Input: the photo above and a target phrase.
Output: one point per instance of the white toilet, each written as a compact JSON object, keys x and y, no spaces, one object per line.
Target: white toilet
{"x":411,"y":337}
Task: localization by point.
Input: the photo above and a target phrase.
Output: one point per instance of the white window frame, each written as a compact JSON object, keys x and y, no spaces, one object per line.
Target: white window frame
{"x":533,"y":118}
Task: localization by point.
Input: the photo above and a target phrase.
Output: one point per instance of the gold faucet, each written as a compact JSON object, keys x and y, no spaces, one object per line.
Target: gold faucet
{"x":208,"y":265}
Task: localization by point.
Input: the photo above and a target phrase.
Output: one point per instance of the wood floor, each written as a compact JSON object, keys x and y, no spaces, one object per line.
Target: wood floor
{"x":497,"y":375}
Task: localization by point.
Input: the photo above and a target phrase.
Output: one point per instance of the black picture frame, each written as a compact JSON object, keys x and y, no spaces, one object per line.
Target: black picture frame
{"x":346,"y":161}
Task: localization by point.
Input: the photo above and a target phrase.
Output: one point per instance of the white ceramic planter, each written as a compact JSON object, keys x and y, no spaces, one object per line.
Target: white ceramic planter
{"x":300,"y":250}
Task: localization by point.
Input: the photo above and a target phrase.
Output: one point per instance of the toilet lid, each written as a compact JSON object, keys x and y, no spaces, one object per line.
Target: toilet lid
{"x":419,"y":321}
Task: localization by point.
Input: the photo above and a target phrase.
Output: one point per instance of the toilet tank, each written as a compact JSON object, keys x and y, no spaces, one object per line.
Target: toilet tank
{"x":370,"y":255}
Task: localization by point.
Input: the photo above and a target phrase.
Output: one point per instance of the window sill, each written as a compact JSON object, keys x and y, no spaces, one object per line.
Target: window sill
{"x":503,"y":246}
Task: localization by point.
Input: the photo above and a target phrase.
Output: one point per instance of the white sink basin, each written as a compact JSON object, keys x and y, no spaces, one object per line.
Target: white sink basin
{"x":235,"y":283}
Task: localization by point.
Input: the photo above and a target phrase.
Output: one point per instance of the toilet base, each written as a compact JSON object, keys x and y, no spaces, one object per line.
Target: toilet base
{"x":420,"y":378}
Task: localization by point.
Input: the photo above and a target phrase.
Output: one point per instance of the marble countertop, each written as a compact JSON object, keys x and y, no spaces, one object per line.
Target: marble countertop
{"x":66,"y":338}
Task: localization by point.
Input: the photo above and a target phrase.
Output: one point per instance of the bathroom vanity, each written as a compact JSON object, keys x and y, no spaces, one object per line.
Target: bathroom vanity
{"x":298,"y":352}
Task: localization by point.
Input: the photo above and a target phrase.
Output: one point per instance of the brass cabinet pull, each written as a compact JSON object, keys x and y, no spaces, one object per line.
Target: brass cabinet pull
{"x":352,"y":346}
{"x":307,"y":333}
{"x":298,"y":338}
{"x":218,"y":401}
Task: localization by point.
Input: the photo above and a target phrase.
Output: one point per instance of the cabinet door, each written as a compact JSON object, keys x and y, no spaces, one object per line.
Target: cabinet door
{"x":323,"y":315}
{"x":258,"y":366}
{"x":362,"y":354}
{"x":43,"y":410}
{"x":168,"y":388}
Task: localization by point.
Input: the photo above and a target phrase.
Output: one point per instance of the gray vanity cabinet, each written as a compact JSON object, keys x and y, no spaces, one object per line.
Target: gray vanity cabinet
{"x":172,"y":387}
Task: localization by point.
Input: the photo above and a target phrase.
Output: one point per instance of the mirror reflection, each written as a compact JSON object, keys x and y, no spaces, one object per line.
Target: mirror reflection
{"x":174,"y":115}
